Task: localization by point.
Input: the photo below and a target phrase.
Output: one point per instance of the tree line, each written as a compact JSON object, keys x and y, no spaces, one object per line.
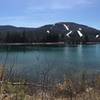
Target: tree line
{"x":42,"y":36}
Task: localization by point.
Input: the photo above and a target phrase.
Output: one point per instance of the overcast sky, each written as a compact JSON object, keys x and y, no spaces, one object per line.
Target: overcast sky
{"x":40,"y":12}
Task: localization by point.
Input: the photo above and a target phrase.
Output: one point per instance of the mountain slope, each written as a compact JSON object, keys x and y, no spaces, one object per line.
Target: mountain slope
{"x":60,"y":32}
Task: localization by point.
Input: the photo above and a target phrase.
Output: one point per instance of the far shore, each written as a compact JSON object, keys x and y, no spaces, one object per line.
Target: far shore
{"x":31,"y":44}
{"x":44,"y":44}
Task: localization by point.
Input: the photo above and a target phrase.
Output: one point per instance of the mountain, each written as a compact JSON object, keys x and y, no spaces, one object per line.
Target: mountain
{"x":67,"y":32}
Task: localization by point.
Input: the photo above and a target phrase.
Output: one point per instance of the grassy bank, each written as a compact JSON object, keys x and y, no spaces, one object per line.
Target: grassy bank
{"x":83,"y":87}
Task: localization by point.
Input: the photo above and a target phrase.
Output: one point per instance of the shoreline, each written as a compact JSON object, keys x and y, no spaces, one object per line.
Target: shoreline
{"x":31,"y":44}
{"x":46,"y":44}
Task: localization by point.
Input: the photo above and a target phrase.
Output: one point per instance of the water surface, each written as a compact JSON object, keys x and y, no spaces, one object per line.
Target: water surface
{"x":31,"y":61}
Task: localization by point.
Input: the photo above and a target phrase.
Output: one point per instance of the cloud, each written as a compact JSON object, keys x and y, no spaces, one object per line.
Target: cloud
{"x":50,"y":11}
{"x":12,"y":20}
{"x":58,"y":4}
{"x":21,"y":21}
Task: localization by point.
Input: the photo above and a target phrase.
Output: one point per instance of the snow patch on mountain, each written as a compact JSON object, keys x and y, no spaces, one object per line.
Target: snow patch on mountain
{"x":48,"y":31}
{"x":69,"y":33}
{"x":66,"y":27}
{"x":80,"y":34}
{"x":97,"y":36}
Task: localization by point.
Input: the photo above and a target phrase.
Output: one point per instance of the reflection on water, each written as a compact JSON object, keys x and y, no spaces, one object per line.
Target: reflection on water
{"x":31,"y":61}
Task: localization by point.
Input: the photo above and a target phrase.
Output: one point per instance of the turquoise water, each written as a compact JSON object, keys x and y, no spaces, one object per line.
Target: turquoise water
{"x":31,"y":61}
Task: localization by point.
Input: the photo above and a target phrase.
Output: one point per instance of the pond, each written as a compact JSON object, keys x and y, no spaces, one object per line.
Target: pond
{"x":31,"y":61}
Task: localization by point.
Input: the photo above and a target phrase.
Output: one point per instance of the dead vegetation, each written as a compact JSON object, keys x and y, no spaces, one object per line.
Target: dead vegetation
{"x":87,"y":87}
